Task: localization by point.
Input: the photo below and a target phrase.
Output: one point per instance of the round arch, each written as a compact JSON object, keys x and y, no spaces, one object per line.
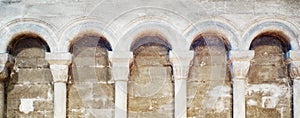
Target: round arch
{"x":217,"y":27}
{"x":22,"y":26}
{"x":152,"y":27}
{"x":282,"y":28}
{"x":83,"y":26}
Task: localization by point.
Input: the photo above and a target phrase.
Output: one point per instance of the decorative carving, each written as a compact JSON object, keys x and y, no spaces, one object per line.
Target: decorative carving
{"x":240,"y":63}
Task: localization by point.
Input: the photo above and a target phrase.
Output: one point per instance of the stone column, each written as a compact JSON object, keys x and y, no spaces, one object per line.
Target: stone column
{"x":59,"y":63}
{"x":120,"y":72}
{"x":181,"y":64}
{"x":3,"y":60}
{"x":240,"y":63}
{"x":295,"y":75}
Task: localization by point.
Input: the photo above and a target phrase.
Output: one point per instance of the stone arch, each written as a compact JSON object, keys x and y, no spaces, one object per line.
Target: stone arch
{"x":26,"y":40}
{"x":90,"y":81}
{"x":149,"y":38}
{"x":200,"y":40}
{"x":268,"y":85}
{"x":85,"y":26}
{"x":152,"y":27}
{"x":150,"y":79}
{"x":19,"y":26}
{"x":278,"y":27}
{"x":29,"y":76}
{"x":209,"y":73}
{"x":126,"y":26}
{"x":95,"y":40}
{"x":218,"y":27}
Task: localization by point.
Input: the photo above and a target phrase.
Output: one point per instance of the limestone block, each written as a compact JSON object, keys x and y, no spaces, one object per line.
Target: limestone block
{"x":209,"y":98}
{"x":31,"y":53}
{"x":152,"y":60}
{"x":43,"y":105}
{"x":93,"y":74}
{"x":103,"y":91}
{"x":268,"y":100}
{"x":152,"y":114}
{"x":74,"y":99}
{"x":29,"y":91}
{"x":32,"y":62}
{"x":90,"y":61}
{"x":25,"y":62}
{"x":33,"y":76}
{"x":42,"y":63}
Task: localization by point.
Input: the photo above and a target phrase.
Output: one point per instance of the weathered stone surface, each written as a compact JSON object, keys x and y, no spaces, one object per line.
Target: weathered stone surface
{"x":85,"y":98}
{"x":90,"y":94}
{"x":30,"y":90}
{"x":268,"y":92}
{"x":209,"y":92}
{"x":37,"y":76}
{"x":179,"y":22}
{"x":91,"y":74}
{"x":151,"y":88}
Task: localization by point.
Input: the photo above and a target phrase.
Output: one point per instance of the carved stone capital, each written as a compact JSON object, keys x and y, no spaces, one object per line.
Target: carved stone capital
{"x":294,"y":61}
{"x":3,"y":60}
{"x":120,"y":65}
{"x":3,"y":71}
{"x":181,"y":63}
{"x":59,"y":65}
{"x":240,"y":63}
{"x":59,"y":58}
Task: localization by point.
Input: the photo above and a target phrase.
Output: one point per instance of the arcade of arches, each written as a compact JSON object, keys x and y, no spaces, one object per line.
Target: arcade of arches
{"x":34,"y":81}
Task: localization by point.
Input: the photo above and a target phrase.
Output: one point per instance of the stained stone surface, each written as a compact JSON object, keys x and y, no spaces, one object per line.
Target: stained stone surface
{"x":151,"y":88}
{"x":209,"y":90}
{"x":30,"y":89}
{"x":269,"y":91}
{"x":90,"y":91}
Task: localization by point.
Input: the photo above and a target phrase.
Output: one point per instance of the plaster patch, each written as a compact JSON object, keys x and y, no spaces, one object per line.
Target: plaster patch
{"x":26,"y":105}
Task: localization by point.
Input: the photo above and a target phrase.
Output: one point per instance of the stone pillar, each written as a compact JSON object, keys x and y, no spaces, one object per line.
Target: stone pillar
{"x":240,"y":63}
{"x":294,"y":72}
{"x":59,"y":63}
{"x":120,"y":72}
{"x":3,"y":60}
{"x":181,"y":64}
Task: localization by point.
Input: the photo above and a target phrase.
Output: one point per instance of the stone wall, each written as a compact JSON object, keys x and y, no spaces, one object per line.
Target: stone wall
{"x":29,"y":91}
{"x":269,"y":91}
{"x":209,"y":90}
{"x":218,"y":82}
{"x":90,"y":90}
{"x":151,"y":88}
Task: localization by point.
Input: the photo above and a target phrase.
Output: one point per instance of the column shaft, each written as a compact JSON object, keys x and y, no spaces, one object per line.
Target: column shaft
{"x":239,"y":98}
{"x":120,"y":99}
{"x":180,"y":98}
{"x":240,"y":64}
{"x":2,"y":98}
{"x":60,"y":101}
{"x":3,"y":60}
{"x":181,"y":61}
{"x":59,"y":68}
{"x":296,"y":98}
{"x":120,"y":71}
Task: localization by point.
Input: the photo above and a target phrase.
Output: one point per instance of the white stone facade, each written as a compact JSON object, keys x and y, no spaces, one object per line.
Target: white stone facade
{"x":179,"y":22}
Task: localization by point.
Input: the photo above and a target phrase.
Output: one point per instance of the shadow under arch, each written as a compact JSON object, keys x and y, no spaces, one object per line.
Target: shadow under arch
{"x":89,"y":40}
{"x":273,"y":27}
{"x":26,"y":40}
{"x":90,"y":67}
{"x":268,"y":76}
{"x":201,"y":41}
{"x":209,"y":71}
{"x":145,"y":38}
{"x":277,"y":35}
